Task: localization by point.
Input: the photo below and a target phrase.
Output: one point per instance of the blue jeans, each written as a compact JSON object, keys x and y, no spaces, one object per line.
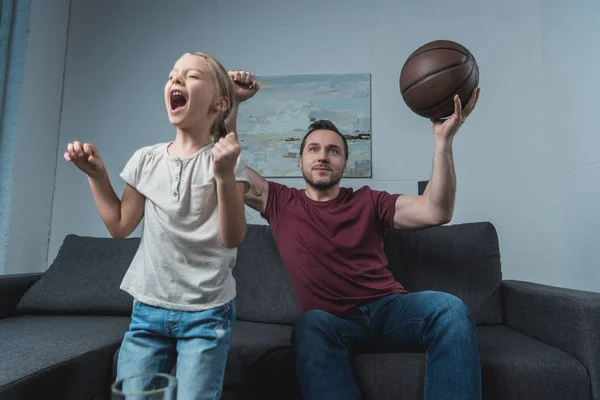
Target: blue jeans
{"x":196,"y":343}
{"x":436,"y":322}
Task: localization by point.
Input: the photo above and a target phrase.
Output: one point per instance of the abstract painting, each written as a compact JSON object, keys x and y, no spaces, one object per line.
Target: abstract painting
{"x":272,"y":124}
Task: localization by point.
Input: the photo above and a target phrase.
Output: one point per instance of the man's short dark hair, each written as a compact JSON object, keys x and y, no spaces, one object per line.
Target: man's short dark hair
{"x":324,"y":124}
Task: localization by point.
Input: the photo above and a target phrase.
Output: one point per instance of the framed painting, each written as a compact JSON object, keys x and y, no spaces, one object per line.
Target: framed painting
{"x":272,"y":124}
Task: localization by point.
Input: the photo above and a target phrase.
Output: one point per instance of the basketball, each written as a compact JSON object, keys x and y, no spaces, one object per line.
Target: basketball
{"x":433,"y":74}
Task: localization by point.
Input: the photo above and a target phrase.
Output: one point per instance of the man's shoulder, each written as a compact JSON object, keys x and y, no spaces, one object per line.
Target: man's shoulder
{"x":281,"y":187}
{"x":367,"y":190}
{"x":359,"y":192}
{"x":369,"y":195}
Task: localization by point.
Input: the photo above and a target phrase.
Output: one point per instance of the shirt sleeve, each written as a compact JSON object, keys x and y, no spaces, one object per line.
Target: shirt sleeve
{"x":240,"y":173}
{"x":278,"y":198}
{"x":385,"y":207}
{"x":131,"y":172}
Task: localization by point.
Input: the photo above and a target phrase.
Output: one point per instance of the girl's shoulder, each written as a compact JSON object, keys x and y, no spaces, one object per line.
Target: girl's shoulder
{"x":151,"y":153}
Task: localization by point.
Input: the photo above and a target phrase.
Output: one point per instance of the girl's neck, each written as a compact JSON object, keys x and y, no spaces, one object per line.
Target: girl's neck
{"x":188,"y":142}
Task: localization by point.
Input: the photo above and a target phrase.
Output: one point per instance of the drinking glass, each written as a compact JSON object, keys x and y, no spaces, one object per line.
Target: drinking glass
{"x":145,"y":387}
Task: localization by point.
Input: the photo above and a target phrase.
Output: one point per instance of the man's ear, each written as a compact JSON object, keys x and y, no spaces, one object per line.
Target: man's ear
{"x":345,"y":166}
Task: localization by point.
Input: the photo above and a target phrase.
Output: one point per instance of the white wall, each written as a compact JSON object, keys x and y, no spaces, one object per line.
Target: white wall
{"x":37,"y":139}
{"x":521,"y":159}
{"x":571,"y":46}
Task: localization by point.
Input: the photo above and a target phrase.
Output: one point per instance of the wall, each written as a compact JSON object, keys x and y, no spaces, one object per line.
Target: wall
{"x":35,"y":146}
{"x":516,"y":165}
{"x":571,"y":45}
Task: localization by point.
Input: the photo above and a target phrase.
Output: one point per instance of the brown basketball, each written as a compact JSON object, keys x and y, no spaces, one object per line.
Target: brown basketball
{"x":433,"y":74}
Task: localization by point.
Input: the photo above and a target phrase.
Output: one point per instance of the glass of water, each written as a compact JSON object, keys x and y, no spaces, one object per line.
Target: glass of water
{"x":145,"y":387}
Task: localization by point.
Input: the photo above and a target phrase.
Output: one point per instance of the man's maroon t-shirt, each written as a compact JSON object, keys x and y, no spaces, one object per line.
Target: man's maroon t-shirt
{"x":333,"y":250}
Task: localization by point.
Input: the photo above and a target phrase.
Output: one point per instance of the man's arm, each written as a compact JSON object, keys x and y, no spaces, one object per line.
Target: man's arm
{"x":246,"y":87}
{"x":256,"y":197}
{"x":436,"y":205}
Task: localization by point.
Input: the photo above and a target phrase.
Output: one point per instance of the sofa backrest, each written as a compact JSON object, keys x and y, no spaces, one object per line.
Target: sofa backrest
{"x":462,"y":259}
{"x":264,"y":290}
{"x":83,"y":279}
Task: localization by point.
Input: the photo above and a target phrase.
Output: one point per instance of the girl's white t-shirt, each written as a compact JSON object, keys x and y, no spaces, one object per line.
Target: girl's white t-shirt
{"x":181,"y":263}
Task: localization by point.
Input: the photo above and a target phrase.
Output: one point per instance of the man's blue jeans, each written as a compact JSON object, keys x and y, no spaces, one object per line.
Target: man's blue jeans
{"x":196,"y":343}
{"x":436,"y":322}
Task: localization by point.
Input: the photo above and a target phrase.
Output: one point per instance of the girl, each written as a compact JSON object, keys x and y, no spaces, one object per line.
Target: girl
{"x":190,"y":193}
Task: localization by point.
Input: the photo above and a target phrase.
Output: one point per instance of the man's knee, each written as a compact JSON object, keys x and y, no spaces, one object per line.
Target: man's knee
{"x":448,"y":305}
{"x":453,"y":303}
{"x":456,"y":313}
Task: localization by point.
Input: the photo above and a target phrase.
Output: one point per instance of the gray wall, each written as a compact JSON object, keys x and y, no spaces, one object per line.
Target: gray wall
{"x":527,"y":159}
{"x":571,"y":63}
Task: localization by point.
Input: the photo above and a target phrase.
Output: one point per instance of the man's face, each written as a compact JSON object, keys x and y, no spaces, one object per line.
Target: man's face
{"x":323,"y":161}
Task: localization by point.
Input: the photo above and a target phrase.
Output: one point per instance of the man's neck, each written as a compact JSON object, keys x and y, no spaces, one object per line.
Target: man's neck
{"x":322,"y":195}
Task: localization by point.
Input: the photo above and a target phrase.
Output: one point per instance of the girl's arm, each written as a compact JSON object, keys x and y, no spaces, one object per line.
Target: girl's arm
{"x":232,"y":220}
{"x":121,"y":217}
{"x":230,"y":190}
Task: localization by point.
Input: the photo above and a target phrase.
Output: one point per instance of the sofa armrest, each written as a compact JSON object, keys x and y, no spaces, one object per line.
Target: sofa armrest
{"x":563,"y":318}
{"x":12,"y":288}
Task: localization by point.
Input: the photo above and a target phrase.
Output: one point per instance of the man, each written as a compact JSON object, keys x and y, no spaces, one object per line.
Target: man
{"x":331,"y":241}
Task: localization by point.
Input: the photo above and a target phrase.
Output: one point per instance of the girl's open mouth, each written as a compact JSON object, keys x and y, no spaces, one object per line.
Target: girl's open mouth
{"x":177,"y":100}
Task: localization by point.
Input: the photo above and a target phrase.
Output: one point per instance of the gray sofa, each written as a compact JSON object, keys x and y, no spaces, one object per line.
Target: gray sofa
{"x":60,"y":331}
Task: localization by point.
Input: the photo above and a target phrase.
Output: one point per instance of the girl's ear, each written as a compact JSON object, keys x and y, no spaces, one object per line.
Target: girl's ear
{"x":222,"y":104}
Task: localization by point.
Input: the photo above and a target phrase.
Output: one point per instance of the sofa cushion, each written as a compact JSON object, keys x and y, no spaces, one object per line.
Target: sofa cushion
{"x":461,"y":259}
{"x":514,"y":366}
{"x":260,"y":363}
{"x":264,"y":290}
{"x":84,"y":279}
{"x":58,"y":357}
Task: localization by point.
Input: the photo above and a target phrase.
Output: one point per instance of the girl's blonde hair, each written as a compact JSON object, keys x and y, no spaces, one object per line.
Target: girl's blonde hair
{"x":224,"y":87}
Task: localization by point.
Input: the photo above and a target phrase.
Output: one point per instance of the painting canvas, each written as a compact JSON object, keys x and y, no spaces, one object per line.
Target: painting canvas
{"x":272,"y":124}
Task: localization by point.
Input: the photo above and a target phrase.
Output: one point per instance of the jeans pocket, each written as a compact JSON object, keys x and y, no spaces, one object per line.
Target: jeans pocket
{"x":224,"y":317}
{"x":225,"y":311}
{"x":212,"y":324}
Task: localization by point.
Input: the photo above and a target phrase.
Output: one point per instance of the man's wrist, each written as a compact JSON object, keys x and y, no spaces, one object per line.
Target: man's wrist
{"x":443,"y":141}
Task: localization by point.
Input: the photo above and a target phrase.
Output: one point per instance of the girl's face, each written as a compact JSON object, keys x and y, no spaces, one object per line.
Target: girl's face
{"x":191,"y":95}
